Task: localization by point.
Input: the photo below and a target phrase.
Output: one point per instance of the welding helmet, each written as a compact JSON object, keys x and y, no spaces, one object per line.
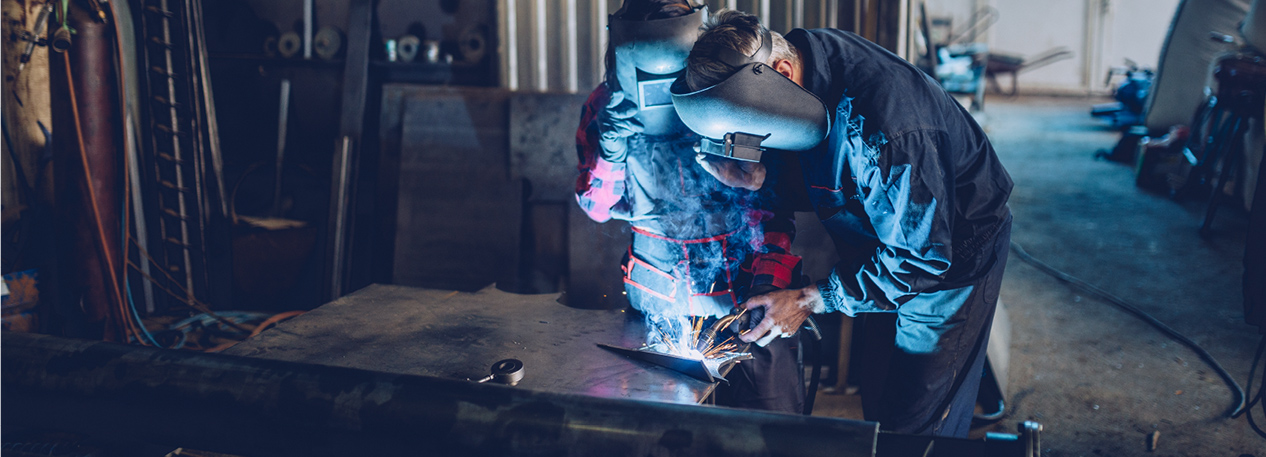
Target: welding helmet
{"x":649,"y":56}
{"x":753,"y":109}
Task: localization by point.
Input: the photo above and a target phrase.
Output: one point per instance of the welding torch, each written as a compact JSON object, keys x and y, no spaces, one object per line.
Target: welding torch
{"x":709,"y":336}
{"x":746,"y":321}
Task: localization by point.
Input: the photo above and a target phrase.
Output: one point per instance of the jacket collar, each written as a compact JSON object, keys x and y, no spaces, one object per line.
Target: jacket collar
{"x":816,"y":75}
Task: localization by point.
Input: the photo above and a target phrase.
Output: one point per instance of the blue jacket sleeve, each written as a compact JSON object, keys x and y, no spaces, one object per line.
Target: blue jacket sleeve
{"x":905,"y":184}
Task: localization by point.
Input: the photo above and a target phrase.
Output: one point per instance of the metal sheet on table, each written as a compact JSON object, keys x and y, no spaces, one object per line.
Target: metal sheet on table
{"x":459,"y":335}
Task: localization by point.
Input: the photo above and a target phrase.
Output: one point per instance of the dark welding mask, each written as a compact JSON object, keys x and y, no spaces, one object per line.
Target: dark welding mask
{"x":649,"y":56}
{"x":754,"y":109}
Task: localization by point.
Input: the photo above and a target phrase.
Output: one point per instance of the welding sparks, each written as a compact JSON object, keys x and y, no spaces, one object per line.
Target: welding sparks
{"x":685,"y":336}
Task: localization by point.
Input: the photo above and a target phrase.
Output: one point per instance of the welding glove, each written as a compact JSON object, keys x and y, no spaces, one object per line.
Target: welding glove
{"x":785,"y":311}
{"x":616,"y":123}
{"x":734,"y":173}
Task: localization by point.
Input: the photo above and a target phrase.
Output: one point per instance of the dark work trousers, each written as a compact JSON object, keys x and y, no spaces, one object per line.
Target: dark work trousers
{"x":772,"y":381}
{"x":930,"y":394}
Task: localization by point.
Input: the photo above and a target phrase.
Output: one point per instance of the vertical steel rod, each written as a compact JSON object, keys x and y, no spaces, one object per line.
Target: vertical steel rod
{"x":573,"y":66}
{"x":138,"y":206}
{"x":797,"y":14}
{"x":509,"y":23}
{"x":307,"y":28}
{"x":540,"y":24}
{"x":213,"y":124}
{"x":340,"y":215}
{"x":283,"y":115}
{"x":600,"y":31}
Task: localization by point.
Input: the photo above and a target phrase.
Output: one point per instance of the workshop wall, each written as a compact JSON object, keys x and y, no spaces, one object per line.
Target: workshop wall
{"x":557,"y":45}
{"x":485,"y":180}
{"x":26,"y":108}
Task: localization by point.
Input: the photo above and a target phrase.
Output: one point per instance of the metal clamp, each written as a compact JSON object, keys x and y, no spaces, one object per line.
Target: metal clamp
{"x":735,"y":145}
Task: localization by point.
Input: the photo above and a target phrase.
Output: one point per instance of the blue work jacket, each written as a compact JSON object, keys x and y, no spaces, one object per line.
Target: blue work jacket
{"x":906,"y":183}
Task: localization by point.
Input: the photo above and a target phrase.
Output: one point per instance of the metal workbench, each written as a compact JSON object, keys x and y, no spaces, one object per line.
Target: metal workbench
{"x":344,"y":379}
{"x":459,"y":335}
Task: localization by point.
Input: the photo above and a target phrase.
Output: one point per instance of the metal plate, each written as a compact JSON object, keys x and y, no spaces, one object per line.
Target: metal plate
{"x":459,"y":335}
{"x":458,"y":216}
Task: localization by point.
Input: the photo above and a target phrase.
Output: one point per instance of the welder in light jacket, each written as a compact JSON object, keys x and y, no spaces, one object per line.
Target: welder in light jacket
{"x":698,"y":247}
{"x":900,"y":175}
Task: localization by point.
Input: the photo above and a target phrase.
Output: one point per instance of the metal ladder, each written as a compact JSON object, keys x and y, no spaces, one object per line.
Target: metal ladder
{"x":175,"y":151}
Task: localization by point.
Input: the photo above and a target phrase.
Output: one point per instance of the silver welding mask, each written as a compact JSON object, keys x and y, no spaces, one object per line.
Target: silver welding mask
{"x":753,"y":109}
{"x":649,"y":56}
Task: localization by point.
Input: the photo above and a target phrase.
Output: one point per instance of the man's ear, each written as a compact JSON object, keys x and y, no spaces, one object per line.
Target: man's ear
{"x":784,"y":67}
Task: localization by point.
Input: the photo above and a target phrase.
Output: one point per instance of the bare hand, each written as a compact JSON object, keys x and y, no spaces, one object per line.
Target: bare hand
{"x":785,"y":311}
{"x":733,"y":173}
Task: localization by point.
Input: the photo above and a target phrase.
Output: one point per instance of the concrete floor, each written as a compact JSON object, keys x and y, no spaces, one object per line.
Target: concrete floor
{"x":1101,"y":380}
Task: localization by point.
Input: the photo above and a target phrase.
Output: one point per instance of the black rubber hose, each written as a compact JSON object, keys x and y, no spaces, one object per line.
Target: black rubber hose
{"x":1258,"y":398}
{"x":812,"y":394}
{"x":1239,"y":402}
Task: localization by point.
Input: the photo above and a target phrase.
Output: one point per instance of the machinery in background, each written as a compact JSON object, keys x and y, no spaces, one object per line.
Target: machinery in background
{"x":1204,"y":159}
{"x":1126,"y":113}
{"x":952,"y":58}
{"x":1219,"y":141}
{"x":1130,"y":95}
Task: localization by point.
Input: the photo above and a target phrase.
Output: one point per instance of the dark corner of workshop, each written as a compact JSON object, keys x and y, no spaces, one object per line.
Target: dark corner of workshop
{"x":633,"y":227}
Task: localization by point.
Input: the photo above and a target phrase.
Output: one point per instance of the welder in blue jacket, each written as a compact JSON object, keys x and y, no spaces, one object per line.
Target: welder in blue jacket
{"x":901,"y":176}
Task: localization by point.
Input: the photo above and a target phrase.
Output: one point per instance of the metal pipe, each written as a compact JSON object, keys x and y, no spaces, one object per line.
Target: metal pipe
{"x":138,"y":203}
{"x":598,"y":34}
{"x":342,"y":170}
{"x":259,"y":407}
{"x":797,"y":14}
{"x":283,"y":116}
{"x":307,"y":29}
{"x":509,"y":27}
{"x":572,"y":47}
{"x":343,"y":173}
{"x":540,"y":24}
{"x":213,"y":123}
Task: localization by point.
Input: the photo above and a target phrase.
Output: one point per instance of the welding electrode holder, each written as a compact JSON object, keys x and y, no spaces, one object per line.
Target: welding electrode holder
{"x":735,"y":145}
{"x":746,"y":321}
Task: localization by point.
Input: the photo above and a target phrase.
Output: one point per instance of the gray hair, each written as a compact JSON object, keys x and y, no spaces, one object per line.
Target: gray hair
{"x":737,"y":31}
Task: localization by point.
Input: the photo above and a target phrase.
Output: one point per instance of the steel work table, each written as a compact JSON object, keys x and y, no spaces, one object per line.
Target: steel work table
{"x":459,"y":335}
